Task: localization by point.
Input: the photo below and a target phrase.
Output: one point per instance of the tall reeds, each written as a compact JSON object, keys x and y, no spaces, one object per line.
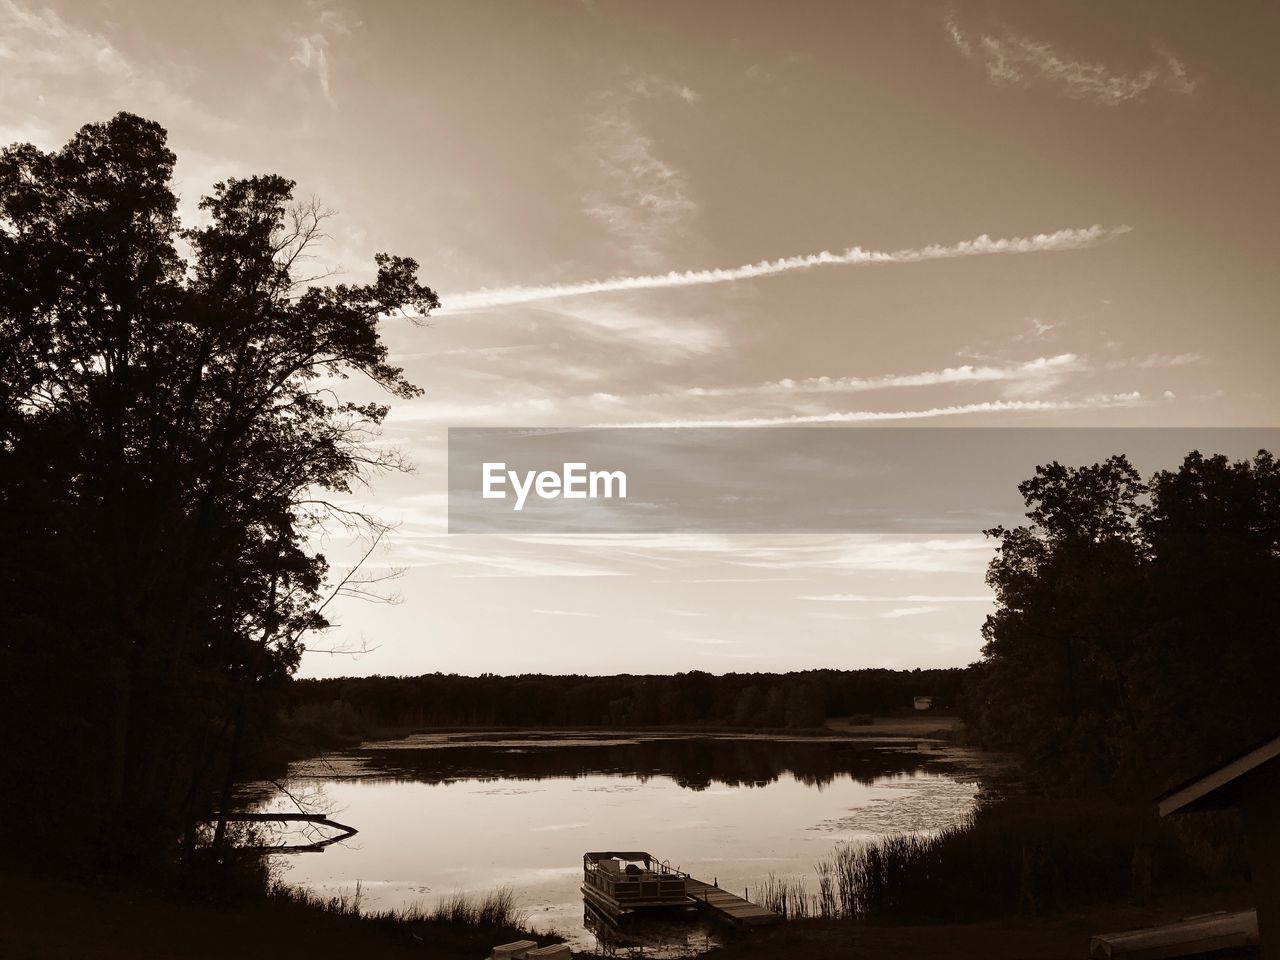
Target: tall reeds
{"x":457,"y":911}
{"x":1032,"y":857}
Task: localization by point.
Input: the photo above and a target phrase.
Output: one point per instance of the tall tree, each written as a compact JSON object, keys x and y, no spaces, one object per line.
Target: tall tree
{"x":168,"y":427}
{"x":1135,"y":632}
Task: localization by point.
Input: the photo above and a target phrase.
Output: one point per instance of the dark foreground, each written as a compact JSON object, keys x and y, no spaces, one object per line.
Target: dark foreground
{"x":1061,"y":937}
{"x":54,"y":919}
{"x":58,"y":919}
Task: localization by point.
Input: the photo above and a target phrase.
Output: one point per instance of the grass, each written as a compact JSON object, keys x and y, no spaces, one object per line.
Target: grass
{"x":115,"y":924}
{"x":1026,"y":857}
{"x":497,"y":909}
{"x":243,"y":875}
{"x":791,"y":897}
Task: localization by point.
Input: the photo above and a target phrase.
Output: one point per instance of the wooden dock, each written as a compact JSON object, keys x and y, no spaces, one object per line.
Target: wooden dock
{"x":727,"y":906}
{"x":1214,"y":933}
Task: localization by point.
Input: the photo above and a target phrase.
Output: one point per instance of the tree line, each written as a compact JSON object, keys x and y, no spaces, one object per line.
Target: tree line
{"x":798,"y":700}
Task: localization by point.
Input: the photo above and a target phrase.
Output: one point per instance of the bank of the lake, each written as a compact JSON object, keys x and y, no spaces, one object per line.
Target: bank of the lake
{"x":469,"y":811}
{"x":49,"y":919}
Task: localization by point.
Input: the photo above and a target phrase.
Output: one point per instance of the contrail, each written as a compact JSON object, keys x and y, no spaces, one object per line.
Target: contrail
{"x":1074,"y":238}
{"x":869,"y":416}
{"x":1039,"y":368}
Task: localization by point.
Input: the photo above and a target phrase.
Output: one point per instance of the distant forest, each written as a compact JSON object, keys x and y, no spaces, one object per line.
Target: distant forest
{"x":756,"y":700}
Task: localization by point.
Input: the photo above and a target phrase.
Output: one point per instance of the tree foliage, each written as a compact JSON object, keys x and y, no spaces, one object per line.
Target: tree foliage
{"x":168,"y":424}
{"x":800,"y":700}
{"x":1135,"y":634}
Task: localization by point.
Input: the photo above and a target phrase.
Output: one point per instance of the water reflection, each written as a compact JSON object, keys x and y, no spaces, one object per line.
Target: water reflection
{"x":441,"y":814}
{"x":647,"y":936}
{"x":693,"y":762}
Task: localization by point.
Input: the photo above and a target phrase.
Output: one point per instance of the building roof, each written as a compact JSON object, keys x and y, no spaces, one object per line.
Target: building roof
{"x":1218,"y":787}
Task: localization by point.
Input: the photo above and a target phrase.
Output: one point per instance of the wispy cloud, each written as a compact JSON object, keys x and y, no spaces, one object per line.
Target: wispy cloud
{"x":656,"y":334}
{"x":489,"y":560}
{"x":1100,"y":402}
{"x":59,"y":73}
{"x":928,"y":598}
{"x":870,"y":552}
{"x":906,"y":612}
{"x":643,"y":201}
{"x":1012,"y":59}
{"x":743,"y":579}
{"x":1037,"y":329}
{"x":1051,"y":368}
{"x":311,"y":52}
{"x":1162,"y":360}
{"x":1075,"y":238}
{"x":311,"y":49}
{"x":654,"y":85}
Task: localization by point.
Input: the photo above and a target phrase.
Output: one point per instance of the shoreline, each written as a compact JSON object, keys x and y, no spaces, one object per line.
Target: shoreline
{"x":122,"y":925}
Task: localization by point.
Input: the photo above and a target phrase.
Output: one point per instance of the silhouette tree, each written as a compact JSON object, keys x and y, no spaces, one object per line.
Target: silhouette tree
{"x":168,"y":427}
{"x":1213,"y":656}
{"x":1135,"y":633}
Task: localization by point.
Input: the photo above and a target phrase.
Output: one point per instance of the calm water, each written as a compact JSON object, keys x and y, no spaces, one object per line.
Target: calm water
{"x":440,"y":814}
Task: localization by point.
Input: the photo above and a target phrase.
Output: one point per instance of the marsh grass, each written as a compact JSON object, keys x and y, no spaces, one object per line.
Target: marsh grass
{"x":791,"y":897}
{"x":1016,"y":857}
{"x":497,"y":909}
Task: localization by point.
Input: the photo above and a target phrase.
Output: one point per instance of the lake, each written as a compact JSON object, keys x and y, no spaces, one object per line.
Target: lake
{"x":446,"y":813}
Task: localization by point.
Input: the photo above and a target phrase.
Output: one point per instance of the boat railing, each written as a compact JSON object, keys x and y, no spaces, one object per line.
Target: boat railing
{"x":657,"y":881}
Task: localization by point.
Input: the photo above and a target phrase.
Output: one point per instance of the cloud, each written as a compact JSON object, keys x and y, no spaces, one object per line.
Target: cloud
{"x":1037,"y":329}
{"x":871,"y":552}
{"x":1041,"y":368}
{"x":744,"y":579}
{"x":1161,"y":360}
{"x":654,"y":85}
{"x":1012,"y":59}
{"x":563,"y":613}
{"x":311,"y":52}
{"x":41,"y":43}
{"x":958,"y":38}
{"x":482,"y":559}
{"x":906,"y":612}
{"x":312,"y":48}
{"x":58,"y":74}
{"x":1075,"y":238}
{"x":929,"y":598}
{"x":662,"y":335}
{"x":642,"y":200}
{"x":1100,"y":402}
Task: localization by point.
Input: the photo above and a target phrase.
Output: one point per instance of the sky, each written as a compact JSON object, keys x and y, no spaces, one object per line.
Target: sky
{"x":980,"y":214}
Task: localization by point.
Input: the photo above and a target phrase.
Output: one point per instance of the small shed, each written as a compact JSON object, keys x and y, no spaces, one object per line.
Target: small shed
{"x":924,"y":703}
{"x":1250,"y":782}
